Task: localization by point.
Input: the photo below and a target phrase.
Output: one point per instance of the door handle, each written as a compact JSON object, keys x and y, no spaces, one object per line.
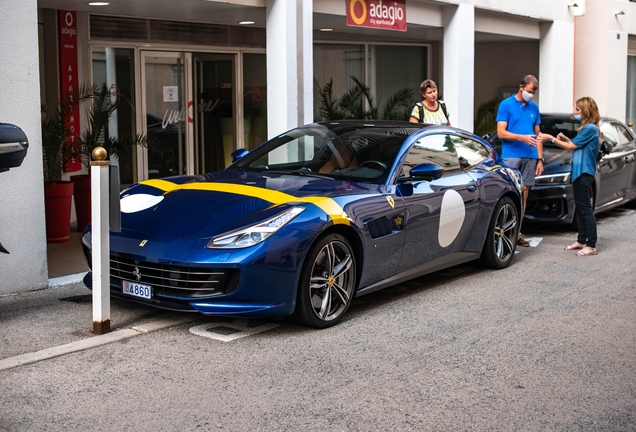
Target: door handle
{"x":471,"y":188}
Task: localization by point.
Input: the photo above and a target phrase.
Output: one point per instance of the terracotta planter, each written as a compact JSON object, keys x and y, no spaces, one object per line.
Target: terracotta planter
{"x":57,"y":205}
{"x":82,"y":195}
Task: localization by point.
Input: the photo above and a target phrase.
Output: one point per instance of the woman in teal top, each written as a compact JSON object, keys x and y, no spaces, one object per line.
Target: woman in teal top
{"x":585,"y":147}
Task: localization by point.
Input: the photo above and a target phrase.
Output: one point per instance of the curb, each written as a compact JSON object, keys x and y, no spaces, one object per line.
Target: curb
{"x":66,"y":280}
{"x":116,"y":336}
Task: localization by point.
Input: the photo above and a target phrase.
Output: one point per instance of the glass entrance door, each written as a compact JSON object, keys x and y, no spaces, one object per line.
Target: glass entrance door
{"x":215,"y":124}
{"x":167,"y":111}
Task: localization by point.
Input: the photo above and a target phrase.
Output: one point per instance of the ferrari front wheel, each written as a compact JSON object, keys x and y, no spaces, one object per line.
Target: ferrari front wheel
{"x":501,"y":239}
{"x":327,"y":282}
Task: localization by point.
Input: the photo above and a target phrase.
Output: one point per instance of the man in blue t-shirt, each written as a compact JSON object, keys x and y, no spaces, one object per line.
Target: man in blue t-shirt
{"x":518,"y":123}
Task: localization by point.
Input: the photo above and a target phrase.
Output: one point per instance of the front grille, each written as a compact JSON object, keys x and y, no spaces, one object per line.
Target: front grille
{"x":544,"y":208}
{"x":174,"y":281}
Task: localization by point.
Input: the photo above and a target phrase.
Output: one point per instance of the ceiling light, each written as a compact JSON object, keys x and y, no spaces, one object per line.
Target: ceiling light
{"x":246,"y":22}
{"x":326,"y":29}
{"x":98,"y":4}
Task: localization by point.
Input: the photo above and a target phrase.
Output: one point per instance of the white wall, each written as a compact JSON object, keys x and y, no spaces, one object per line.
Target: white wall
{"x":289,"y":65}
{"x":459,"y":63}
{"x":22,"y":229}
{"x":601,"y":56}
{"x":556,"y":66}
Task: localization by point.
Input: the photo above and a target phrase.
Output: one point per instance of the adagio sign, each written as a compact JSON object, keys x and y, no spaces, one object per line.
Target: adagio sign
{"x":388,"y":15}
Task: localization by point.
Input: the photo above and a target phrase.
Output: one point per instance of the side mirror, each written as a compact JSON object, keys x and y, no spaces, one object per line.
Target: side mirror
{"x":426,"y":171}
{"x":606,"y":147}
{"x":13,"y":146}
{"x":238,"y":154}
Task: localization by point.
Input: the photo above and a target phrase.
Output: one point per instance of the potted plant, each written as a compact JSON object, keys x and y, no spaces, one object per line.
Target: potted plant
{"x":56,"y":153}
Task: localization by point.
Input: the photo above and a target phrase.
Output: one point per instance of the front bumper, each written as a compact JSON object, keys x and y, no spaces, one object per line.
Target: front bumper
{"x":550,"y":203}
{"x":259,"y":281}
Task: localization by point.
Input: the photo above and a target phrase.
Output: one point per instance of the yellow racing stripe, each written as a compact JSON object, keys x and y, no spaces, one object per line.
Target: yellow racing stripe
{"x":328,"y":205}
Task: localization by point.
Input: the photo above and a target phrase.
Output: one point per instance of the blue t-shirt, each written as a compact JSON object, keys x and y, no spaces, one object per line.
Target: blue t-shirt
{"x":584,"y":157}
{"x":521,"y":120}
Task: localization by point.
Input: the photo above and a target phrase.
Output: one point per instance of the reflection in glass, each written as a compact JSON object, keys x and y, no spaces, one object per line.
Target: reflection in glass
{"x":114,"y":68}
{"x":165,"y":114}
{"x":254,"y":99}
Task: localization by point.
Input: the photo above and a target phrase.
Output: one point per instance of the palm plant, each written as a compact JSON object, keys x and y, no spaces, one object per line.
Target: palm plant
{"x":55,"y":133}
{"x":104,"y":104}
{"x":351,"y":105}
{"x":486,"y":116}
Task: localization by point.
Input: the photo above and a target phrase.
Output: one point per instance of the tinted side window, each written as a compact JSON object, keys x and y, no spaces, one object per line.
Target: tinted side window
{"x":434,"y":149}
{"x":469,"y":152}
{"x":623,"y":134}
{"x":609,"y":133}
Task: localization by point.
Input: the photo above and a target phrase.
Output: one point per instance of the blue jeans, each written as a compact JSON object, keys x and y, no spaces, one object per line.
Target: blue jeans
{"x":583,"y":200}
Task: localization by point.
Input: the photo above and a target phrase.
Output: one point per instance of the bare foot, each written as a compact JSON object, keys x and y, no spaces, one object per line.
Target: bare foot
{"x":574,"y":246}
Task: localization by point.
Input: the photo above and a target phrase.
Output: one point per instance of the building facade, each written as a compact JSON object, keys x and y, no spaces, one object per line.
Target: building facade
{"x":209,"y":77}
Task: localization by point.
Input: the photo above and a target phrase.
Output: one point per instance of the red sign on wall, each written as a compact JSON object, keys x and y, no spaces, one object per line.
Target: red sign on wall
{"x":388,"y":15}
{"x":69,"y":81}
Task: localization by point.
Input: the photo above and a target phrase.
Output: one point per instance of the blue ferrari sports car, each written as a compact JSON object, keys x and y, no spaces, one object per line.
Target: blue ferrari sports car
{"x":313,"y":218}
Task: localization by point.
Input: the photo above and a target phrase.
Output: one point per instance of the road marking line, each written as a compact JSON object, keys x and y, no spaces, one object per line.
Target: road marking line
{"x":240,"y":325}
{"x":534,"y":241}
{"x":84,"y":344}
{"x":605,"y":220}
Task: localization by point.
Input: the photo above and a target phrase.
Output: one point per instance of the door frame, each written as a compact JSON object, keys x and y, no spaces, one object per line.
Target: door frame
{"x":142,"y":153}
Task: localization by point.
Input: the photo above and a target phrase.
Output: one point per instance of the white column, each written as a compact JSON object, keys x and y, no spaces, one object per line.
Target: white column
{"x":22,"y":227}
{"x":600,"y":69}
{"x":289,"y":64}
{"x":459,"y":63}
{"x":556,"y":66}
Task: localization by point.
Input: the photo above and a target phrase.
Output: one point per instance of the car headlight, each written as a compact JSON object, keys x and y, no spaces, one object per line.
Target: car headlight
{"x":254,"y":234}
{"x":560,"y":178}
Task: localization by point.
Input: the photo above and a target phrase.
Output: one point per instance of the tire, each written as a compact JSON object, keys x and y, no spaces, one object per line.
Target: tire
{"x":327,"y":283}
{"x":501,"y":238}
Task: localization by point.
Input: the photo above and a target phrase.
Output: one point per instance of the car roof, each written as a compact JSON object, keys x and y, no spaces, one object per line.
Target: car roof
{"x":570,"y":116}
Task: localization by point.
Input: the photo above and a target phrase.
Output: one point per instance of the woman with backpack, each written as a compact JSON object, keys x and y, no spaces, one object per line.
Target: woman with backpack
{"x":430,"y":110}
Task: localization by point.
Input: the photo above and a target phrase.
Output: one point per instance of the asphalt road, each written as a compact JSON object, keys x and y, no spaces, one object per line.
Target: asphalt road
{"x":547,"y":344}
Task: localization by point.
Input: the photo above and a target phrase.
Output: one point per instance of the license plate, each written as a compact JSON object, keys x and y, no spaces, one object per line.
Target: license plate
{"x":137,"y":290}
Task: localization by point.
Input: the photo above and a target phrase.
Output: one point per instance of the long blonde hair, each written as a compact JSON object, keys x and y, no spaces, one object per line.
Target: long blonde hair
{"x":589,"y":111}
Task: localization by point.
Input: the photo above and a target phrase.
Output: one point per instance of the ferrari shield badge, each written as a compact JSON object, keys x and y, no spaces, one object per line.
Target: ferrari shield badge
{"x":391,"y":202}
{"x":143,"y":243}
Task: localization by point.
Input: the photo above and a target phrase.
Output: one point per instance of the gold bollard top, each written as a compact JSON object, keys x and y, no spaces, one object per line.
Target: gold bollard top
{"x":630,"y":124}
{"x":99,"y":154}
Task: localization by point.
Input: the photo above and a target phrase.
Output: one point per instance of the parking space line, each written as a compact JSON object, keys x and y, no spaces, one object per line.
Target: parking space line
{"x":240,"y":327}
{"x":84,"y":344}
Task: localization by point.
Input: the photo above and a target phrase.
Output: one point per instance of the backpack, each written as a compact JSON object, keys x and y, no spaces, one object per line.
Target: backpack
{"x":420,"y":110}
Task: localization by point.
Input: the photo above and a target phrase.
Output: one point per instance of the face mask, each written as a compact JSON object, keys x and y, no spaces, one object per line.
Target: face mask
{"x":526,"y":96}
{"x":577,"y":117}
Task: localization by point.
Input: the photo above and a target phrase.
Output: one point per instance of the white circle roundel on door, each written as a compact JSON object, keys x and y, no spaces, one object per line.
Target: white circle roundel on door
{"x":451,"y":217}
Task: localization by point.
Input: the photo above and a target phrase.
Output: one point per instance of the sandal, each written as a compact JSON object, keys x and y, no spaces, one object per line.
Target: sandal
{"x":574,"y":246}
{"x":587,"y":251}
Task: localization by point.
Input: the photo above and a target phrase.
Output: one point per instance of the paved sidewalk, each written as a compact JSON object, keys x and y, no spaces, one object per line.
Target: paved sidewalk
{"x":58,"y":320}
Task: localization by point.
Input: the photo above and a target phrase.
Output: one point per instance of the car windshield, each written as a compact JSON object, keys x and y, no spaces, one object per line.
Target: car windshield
{"x":555,"y":125}
{"x":348,"y":151}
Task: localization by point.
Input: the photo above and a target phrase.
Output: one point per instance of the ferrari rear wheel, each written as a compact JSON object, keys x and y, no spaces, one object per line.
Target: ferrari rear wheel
{"x":501,"y":239}
{"x":327,"y":282}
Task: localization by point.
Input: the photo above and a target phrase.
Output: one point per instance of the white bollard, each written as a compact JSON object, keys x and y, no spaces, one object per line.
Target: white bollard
{"x":100,"y":241}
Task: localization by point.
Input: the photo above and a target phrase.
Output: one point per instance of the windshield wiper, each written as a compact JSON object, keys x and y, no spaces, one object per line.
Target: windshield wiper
{"x":300,"y":173}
